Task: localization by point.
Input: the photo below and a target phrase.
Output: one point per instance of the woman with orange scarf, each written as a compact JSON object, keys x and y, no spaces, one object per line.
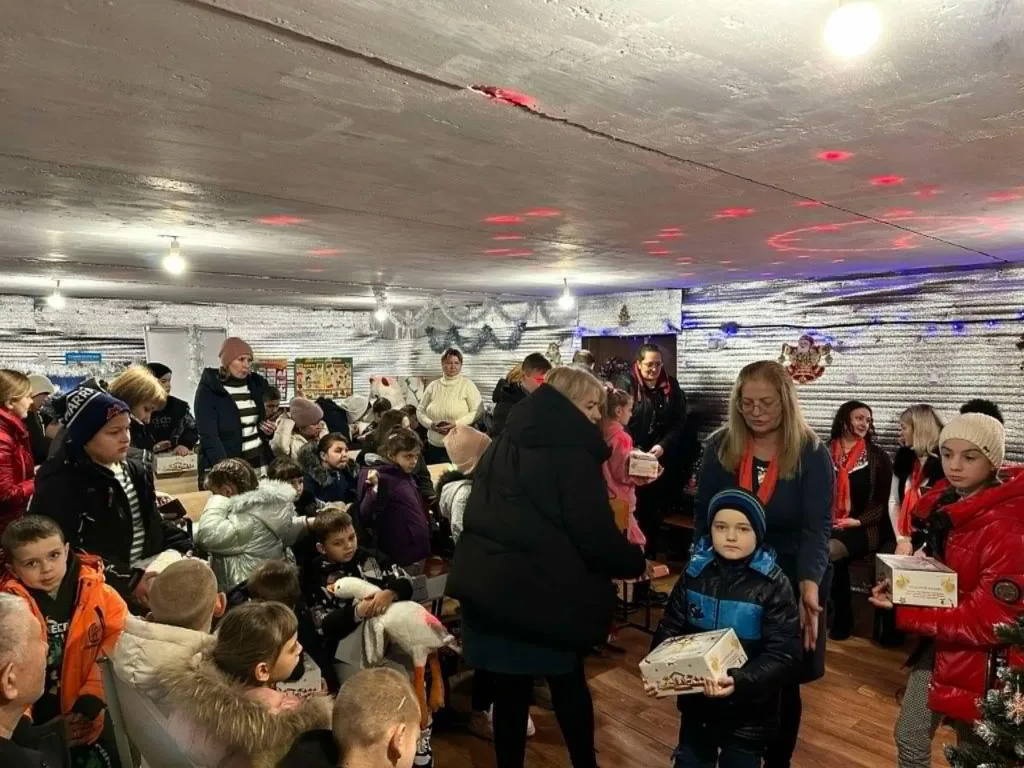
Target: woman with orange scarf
{"x":859,"y":504}
{"x":917,"y":468}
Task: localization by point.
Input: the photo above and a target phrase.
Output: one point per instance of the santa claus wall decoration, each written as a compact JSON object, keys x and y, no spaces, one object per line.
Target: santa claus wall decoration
{"x":806,"y":360}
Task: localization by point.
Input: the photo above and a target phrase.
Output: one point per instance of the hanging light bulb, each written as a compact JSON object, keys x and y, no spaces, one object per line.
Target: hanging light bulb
{"x":380,"y":315}
{"x":566,"y":301}
{"x":853,"y":28}
{"x":56,"y":299}
{"x":174,"y":262}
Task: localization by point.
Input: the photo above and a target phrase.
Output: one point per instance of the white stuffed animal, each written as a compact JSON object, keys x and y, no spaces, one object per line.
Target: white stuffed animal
{"x":387,"y":386}
{"x":413,"y":388}
{"x":412,"y":628}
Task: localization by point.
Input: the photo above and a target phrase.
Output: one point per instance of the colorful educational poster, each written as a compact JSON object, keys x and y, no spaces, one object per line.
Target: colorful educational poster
{"x":275,"y":372}
{"x":323,"y":377}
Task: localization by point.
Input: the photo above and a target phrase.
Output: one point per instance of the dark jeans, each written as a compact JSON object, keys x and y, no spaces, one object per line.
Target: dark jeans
{"x":570,"y":698}
{"x":699,"y":747}
{"x":780,"y":751}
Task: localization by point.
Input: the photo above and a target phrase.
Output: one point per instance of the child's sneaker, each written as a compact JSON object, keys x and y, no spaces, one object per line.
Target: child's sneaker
{"x":481,"y":724}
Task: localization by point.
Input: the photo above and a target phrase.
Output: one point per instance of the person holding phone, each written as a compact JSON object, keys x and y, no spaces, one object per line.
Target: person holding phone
{"x":452,"y":399}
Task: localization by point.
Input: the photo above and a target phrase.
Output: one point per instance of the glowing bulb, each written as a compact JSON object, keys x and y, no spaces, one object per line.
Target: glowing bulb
{"x":174,"y":262}
{"x":566,"y":301}
{"x":852,"y":29}
{"x":56,"y":299}
{"x":380,"y":315}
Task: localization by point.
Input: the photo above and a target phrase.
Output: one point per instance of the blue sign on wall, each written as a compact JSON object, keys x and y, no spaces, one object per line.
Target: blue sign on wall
{"x":92,"y":358}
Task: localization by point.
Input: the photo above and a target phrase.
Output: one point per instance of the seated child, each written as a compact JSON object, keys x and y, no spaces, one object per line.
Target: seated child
{"x":289,"y":471}
{"x":272,"y":403}
{"x":183,"y":602}
{"x":224,"y":709}
{"x":390,"y":503}
{"x":737,"y":716}
{"x":303,"y":424}
{"x":246,"y":521}
{"x":465,"y":446}
{"x":376,"y":721}
{"x":81,"y":617}
{"x":329,"y":474}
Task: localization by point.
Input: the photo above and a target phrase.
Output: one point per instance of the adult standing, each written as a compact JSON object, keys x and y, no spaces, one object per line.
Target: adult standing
{"x":860,"y":521}
{"x":768,"y":449}
{"x":534,"y":565}
{"x":142,"y":392}
{"x":230,"y":413}
{"x":17,"y":468}
{"x":916,"y":469}
{"x":173,"y":427}
{"x":520,"y":382}
{"x":452,"y":399}
{"x":22,"y":676}
{"x":42,"y":391}
{"x":657,"y":425}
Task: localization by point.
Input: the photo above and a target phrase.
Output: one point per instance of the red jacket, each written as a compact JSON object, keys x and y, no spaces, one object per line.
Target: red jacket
{"x":16,"y":468}
{"x":986,"y":549}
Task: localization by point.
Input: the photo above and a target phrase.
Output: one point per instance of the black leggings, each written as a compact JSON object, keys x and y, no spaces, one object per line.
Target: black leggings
{"x":780,"y":751}
{"x":570,"y":698}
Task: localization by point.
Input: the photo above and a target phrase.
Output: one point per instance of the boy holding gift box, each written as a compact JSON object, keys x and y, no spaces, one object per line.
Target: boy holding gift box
{"x":732,"y":581}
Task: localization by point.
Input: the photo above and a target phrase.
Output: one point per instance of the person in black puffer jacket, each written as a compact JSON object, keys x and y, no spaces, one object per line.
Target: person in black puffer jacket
{"x":534,"y":565}
{"x":738,"y":714}
{"x":514,"y":388}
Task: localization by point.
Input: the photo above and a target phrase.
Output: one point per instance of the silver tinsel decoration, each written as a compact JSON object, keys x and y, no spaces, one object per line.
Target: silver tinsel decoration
{"x":194,"y":338}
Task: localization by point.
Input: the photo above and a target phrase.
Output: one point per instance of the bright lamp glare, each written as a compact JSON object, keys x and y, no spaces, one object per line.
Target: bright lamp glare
{"x":380,"y":315}
{"x":174,"y":263}
{"x":566,"y":301}
{"x":853,"y":29}
{"x":56,"y":300}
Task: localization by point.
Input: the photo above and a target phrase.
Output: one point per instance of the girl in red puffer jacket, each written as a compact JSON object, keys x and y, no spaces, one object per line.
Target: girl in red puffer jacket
{"x":17,"y":469}
{"x":975,"y":526}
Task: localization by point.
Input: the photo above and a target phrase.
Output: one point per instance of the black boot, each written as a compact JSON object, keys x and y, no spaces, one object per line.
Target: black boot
{"x":842,"y":602}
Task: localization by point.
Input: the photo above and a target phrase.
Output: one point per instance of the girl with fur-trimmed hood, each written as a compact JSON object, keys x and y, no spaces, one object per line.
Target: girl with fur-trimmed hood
{"x":246,"y":522}
{"x":225,"y":711}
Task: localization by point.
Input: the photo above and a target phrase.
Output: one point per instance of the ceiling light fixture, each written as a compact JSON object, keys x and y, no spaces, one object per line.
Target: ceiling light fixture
{"x":566,"y":301}
{"x":174,"y":262}
{"x":852,"y":29}
{"x":56,"y":299}
{"x":381,"y":314}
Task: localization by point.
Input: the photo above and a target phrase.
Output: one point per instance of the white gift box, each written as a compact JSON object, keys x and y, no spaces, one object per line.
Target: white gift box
{"x":171,"y":464}
{"x":643,"y":465}
{"x":680,"y":665}
{"x":918,"y":581}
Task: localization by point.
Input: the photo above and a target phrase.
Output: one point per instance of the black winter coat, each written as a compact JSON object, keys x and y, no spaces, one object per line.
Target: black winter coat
{"x":756,"y":600}
{"x":505,"y":398}
{"x":174,"y":424}
{"x":659,"y":419}
{"x":92,"y":510}
{"x":218,"y":422}
{"x":539,"y":546}
{"x":335,"y":417}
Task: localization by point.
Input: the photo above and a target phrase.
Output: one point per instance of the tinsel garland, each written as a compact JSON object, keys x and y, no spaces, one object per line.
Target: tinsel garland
{"x":194,"y":338}
{"x":441,"y":340}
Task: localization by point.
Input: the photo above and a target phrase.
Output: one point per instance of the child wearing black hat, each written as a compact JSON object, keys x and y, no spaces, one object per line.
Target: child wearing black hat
{"x":732,"y":581}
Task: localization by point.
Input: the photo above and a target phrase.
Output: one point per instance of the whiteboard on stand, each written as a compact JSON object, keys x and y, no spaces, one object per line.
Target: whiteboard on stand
{"x":169,"y":345}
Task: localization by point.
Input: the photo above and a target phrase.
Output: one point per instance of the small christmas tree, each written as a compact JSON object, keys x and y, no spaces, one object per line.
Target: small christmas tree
{"x":1001,"y":728}
{"x":624,"y":316}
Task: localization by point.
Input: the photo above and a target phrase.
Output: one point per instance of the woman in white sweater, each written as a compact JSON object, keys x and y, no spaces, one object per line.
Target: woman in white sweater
{"x":452,"y":399}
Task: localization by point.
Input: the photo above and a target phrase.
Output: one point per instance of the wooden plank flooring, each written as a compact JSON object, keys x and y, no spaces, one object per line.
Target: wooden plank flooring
{"x":848,"y":715}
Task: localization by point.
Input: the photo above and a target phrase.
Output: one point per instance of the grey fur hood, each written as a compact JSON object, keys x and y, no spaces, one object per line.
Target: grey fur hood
{"x":309,"y":460}
{"x":218,"y":708}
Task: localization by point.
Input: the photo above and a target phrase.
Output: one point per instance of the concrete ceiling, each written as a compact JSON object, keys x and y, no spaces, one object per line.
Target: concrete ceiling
{"x":303,"y":151}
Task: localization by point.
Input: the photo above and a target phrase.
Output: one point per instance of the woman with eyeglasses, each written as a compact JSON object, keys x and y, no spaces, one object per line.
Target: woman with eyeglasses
{"x":657,"y":426}
{"x":768,"y":449}
{"x":860,"y":521}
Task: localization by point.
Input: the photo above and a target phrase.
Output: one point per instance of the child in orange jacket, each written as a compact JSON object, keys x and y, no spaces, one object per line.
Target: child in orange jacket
{"x":82,"y":619}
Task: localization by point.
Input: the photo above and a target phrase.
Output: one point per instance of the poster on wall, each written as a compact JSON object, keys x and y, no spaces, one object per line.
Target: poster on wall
{"x":275,"y":372}
{"x":323,"y":377}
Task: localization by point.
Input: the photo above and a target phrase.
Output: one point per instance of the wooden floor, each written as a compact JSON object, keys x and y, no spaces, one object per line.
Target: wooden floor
{"x":848,"y":716}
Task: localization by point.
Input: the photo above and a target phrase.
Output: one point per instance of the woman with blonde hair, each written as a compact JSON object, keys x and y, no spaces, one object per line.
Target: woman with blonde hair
{"x":768,"y":449}
{"x":143,"y":393}
{"x":17,"y":468}
{"x":916,"y":468}
{"x":534,"y":565}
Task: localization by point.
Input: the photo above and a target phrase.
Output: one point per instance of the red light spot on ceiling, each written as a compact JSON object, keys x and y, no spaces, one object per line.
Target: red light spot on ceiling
{"x":503,"y":219}
{"x":659,"y":252}
{"x":670,"y":231}
{"x":498,"y":251}
{"x":1003,"y":197}
{"x":825,"y":227}
{"x":929,"y":191}
{"x":544,"y":213}
{"x":734,"y":213}
{"x":887,"y":181}
{"x":281,"y":220}
{"x":325,"y":252}
{"x":652,"y":242}
{"x":314,"y":269}
{"x":507,"y":96}
{"x":867,"y":236}
{"x":507,"y":237}
{"x":834,"y":155}
{"x":725,"y":261}
{"x":897,"y":212}
{"x":809,"y":204}
{"x":670,"y":235}
{"x":904,"y":242}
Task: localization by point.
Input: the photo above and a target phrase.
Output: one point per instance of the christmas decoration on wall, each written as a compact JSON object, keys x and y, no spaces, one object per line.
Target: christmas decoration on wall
{"x":194,"y":339}
{"x":616,"y":370}
{"x":806,"y":360}
{"x":441,"y":340}
{"x":554,"y":354}
{"x":624,"y":316}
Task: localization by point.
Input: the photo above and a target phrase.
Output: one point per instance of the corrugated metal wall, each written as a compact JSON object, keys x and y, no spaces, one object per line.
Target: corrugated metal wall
{"x":939,"y":338}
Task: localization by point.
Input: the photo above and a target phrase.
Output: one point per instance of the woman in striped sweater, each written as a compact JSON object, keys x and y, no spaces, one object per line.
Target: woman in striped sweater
{"x":230,"y":414}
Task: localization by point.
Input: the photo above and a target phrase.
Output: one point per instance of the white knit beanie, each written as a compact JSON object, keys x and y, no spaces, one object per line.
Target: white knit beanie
{"x":980,"y":430}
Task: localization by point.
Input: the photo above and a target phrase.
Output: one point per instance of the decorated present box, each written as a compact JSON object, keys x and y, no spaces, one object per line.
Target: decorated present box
{"x":919,"y":581}
{"x":680,"y":665}
{"x":643,"y":465}
{"x":172,"y":464}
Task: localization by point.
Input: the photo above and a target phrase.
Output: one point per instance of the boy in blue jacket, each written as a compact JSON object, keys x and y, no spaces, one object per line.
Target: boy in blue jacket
{"x":733,"y":581}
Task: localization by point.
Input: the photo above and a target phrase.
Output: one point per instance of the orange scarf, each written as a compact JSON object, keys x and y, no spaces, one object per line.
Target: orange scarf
{"x":746,"y":475}
{"x":911,"y":496}
{"x":841,"y":500}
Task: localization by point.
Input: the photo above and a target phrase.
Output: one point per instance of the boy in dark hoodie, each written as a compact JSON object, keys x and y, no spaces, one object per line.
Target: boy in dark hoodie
{"x":339,"y":555}
{"x":328,"y":473}
{"x":733,"y":581}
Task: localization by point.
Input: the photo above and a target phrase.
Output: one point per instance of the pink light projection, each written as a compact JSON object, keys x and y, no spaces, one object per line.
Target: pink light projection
{"x":810,"y":204}
{"x":734,"y":213}
{"x":928,"y":191}
{"x":281,"y":220}
{"x":866,"y":236}
{"x":503,"y":219}
{"x":887,"y":181}
{"x":897,"y":213}
{"x":507,"y":237}
{"x":835,"y":156}
{"x":544,"y":213}
{"x":659,"y":251}
{"x":1003,"y":197}
{"x":325,"y":251}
